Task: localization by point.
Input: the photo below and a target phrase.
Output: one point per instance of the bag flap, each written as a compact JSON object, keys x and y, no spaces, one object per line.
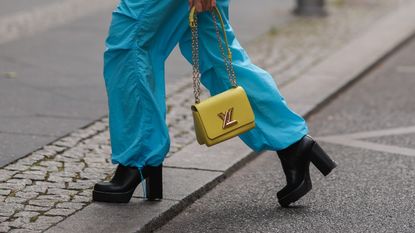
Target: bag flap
{"x":233,"y":107}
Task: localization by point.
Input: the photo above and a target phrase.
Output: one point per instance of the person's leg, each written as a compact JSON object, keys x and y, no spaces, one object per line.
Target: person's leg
{"x":277,"y":126}
{"x":141,"y":36}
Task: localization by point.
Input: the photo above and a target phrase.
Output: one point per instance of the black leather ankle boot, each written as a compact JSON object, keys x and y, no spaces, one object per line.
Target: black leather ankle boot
{"x":125,"y":180}
{"x":295,"y":161}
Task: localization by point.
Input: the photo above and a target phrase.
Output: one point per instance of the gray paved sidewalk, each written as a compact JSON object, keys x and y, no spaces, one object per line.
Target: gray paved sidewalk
{"x":372,"y":190}
{"x":55,"y":182}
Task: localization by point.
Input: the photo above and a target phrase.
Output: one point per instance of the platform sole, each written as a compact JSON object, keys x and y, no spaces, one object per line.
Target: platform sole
{"x":296,"y":194}
{"x":123,"y":197}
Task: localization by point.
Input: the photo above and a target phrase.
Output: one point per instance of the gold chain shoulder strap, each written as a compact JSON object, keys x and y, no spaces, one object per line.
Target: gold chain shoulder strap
{"x":195,"y":50}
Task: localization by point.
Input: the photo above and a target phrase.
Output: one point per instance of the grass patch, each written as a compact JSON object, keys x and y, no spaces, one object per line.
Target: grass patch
{"x":34,"y":218}
{"x":273,"y":31}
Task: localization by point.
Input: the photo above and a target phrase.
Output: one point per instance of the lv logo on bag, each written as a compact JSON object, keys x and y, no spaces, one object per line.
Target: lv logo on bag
{"x":227,"y":118}
{"x":205,"y":112}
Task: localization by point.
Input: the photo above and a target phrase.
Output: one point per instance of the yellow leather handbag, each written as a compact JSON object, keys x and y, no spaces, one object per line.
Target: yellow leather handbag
{"x":227,"y":114}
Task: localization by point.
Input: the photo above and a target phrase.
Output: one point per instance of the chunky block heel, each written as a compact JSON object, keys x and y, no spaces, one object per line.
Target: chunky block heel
{"x":154,"y":184}
{"x":295,"y":161}
{"x":125,"y":180}
{"x":321,"y":160}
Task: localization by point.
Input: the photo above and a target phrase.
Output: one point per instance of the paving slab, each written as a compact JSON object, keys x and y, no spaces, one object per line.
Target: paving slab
{"x":47,"y":16}
{"x":405,"y":140}
{"x":48,"y":103}
{"x":40,"y":125}
{"x":178,"y":183}
{"x":215,"y":158}
{"x":10,"y":7}
{"x":18,"y":144}
{"x":107,"y":217}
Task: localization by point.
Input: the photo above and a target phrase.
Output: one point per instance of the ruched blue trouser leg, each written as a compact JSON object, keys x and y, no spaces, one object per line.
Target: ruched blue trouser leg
{"x":142,"y":35}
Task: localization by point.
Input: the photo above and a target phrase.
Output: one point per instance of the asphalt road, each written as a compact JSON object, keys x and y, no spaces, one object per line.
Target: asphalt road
{"x":51,"y":80}
{"x":372,"y":190}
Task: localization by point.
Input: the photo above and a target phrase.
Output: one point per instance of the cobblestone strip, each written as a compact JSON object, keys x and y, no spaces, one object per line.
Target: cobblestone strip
{"x":54,"y":182}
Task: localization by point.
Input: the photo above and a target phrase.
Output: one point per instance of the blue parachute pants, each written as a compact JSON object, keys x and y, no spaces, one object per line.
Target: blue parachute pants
{"x":141,"y":36}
